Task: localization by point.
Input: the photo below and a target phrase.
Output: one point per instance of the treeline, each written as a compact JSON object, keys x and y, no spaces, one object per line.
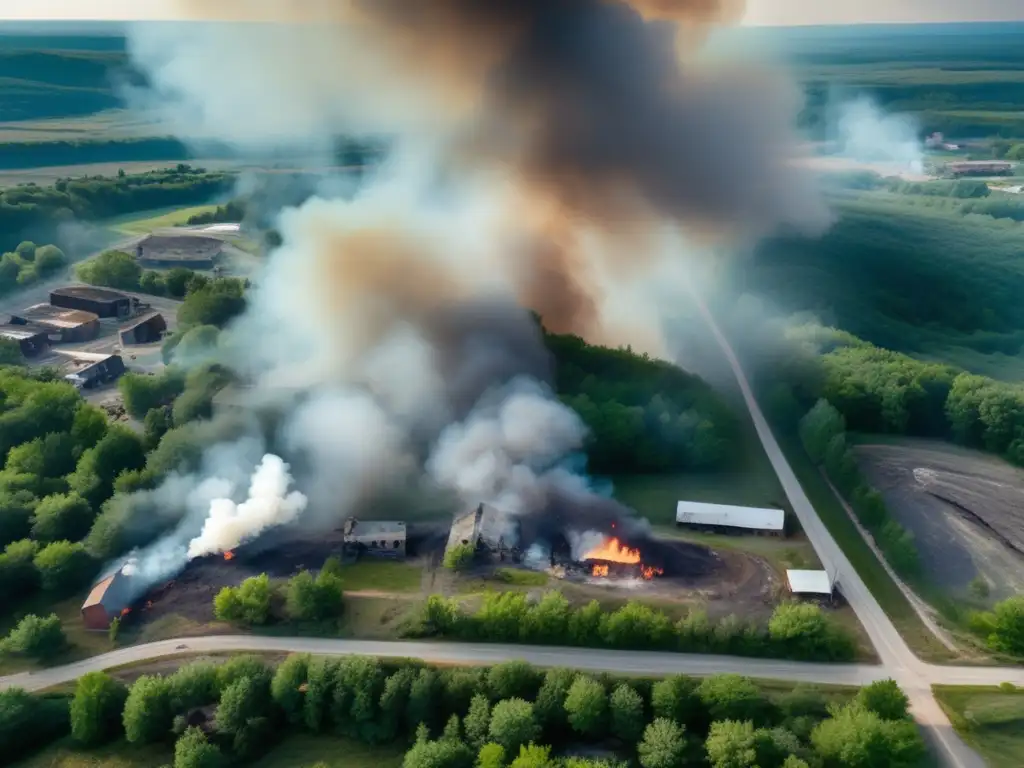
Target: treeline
{"x":27,"y":264}
{"x":644,"y":414}
{"x":232,"y":212}
{"x":16,"y":155}
{"x":795,"y":630}
{"x":507,"y":715}
{"x":29,"y":207}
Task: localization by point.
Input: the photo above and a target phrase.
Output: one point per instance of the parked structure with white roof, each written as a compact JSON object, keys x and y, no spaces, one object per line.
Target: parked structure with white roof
{"x":726,"y":516}
{"x":810,"y":582}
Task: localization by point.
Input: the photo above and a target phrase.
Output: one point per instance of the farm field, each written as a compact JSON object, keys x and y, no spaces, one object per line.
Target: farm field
{"x":989,"y":719}
{"x":107,"y":125}
{"x":144,"y":223}
{"x":964,"y":508}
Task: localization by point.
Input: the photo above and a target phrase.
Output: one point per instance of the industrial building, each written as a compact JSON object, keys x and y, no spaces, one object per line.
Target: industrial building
{"x":87,"y":370}
{"x":723,"y":517}
{"x":32,"y":339}
{"x":490,"y":531}
{"x":100,"y":301}
{"x":146,"y":330}
{"x":69,"y":326}
{"x":980,"y":168}
{"x":810,"y":583}
{"x":108,"y":600}
{"x":167,"y":251}
{"x":374,"y":537}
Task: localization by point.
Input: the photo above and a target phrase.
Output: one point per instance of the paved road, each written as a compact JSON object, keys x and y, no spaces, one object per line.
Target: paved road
{"x":910,"y":672}
{"x":626,"y":662}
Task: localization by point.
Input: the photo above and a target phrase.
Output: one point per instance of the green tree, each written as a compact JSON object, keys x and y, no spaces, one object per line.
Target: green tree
{"x":193,"y":685}
{"x":26,"y":250}
{"x":732,"y":697}
{"x":550,"y":704}
{"x":731,"y":744}
{"x":675,"y":698}
{"x":802,"y":630}
{"x":114,"y":269}
{"x":817,"y":428}
{"x":88,"y":427}
{"x":147,"y":712}
{"x":309,"y":599}
{"x":10,"y":353}
{"x":513,"y":680}
{"x":16,"y":508}
{"x":18,"y":575}
{"x":63,"y":567}
{"x":241,"y":702}
{"x":61,"y":517}
{"x":513,"y":724}
{"x":29,"y":722}
{"x":114,"y":629}
{"x":120,"y":450}
{"x":96,"y":708}
{"x":587,"y":706}
{"x":287,"y":686}
{"x":444,"y":753}
{"x":35,"y":636}
{"x":627,"y":714}
{"x":1006,"y":624}
{"x":142,"y":393}
{"x":886,"y":699}
{"x":424,"y":696}
{"x":319,"y":692}
{"x":663,"y":745}
{"x":156,"y":424}
{"x":248,"y":603}
{"x":394,"y":702}
{"x":478,"y":721}
{"x":459,"y":557}
{"x":856,"y":738}
{"x":534,"y":756}
{"x":216,"y":303}
{"x":491,"y":756}
{"x":192,"y":750}
{"x":151,"y":282}
{"x":50,"y":259}
{"x":244,"y":665}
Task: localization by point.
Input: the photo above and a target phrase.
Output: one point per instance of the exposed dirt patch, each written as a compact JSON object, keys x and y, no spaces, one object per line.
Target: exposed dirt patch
{"x":966,"y":510}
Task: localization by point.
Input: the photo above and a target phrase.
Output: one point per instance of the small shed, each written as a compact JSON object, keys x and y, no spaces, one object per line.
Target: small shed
{"x":107,"y":600}
{"x":102,"y":302}
{"x":730,"y":518}
{"x":86,"y":370}
{"x":32,"y":339}
{"x":810,"y":582}
{"x":146,"y":330}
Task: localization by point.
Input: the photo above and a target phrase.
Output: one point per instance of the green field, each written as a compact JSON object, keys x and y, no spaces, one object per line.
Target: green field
{"x":144,"y":223}
{"x":382,"y":576}
{"x":989,"y":719}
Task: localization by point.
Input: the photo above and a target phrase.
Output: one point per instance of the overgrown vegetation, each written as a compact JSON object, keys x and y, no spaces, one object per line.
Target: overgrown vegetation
{"x":27,"y":264}
{"x":508,"y":714}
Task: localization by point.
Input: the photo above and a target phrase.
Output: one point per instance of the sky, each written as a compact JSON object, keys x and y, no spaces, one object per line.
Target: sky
{"x":760,"y":12}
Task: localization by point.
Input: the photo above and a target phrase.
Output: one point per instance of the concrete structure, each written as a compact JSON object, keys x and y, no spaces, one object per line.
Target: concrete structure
{"x":490,"y":531}
{"x":86,"y":370}
{"x":147,"y":329}
{"x":374,"y":537}
{"x":980,"y":168}
{"x":723,"y":516}
{"x":100,"y":301}
{"x":194,"y":251}
{"x":70,"y":326}
{"x":32,"y":339}
{"x":809,"y":582}
{"x":107,"y":601}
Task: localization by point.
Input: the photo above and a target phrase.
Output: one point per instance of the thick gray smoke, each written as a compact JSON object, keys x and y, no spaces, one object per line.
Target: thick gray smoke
{"x":571,"y":156}
{"x":867,"y":135}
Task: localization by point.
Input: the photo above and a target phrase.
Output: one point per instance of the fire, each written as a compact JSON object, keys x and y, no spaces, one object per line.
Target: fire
{"x":126,"y":611}
{"x":650,"y":571}
{"x":600,"y":570}
{"x":229,"y":555}
{"x":613,"y":551}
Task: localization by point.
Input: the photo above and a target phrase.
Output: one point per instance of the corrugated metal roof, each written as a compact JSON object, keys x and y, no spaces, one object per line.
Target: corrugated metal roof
{"x":49,"y":315}
{"x":700,"y":513}
{"x":809,"y":582}
{"x":96,"y":594}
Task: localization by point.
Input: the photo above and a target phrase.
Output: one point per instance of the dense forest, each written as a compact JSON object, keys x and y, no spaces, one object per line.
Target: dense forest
{"x":459,"y":717}
{"x":644,"y":415}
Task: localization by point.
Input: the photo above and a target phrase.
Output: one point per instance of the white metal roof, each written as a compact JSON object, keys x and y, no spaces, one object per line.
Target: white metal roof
{"x":809,"y":582}
{"x":699,"y":513}
{"x":222,"y":228}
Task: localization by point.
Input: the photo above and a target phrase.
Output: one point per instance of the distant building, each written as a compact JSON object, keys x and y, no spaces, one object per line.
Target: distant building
{"x":100,"y":301}
{"x":373,"y":537}
{"x":490,"y":531}
{"x":810,"y":583}
{"x":729,"y":518}
{"x":69,"y":326}
{"x":979,"y":168}
{"x":107,"y":601}
{"x":32,"y":339}
{"x":87,"y":370}
{"x":193,"y":251}
{"x":146,"y":330}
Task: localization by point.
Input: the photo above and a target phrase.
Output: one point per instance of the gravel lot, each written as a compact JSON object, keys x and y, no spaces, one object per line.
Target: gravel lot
{"x":965,"y":508}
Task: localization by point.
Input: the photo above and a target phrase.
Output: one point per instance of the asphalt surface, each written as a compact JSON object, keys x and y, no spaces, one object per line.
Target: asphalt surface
{"x":898,"y":661}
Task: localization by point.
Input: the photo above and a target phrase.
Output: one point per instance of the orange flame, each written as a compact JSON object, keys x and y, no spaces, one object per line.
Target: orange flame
{"x":613,"y":551}
{"x":126,"y":611}
{"x":229,"y":555}
{"x":650,"y":571}
{"x":600,"y":570}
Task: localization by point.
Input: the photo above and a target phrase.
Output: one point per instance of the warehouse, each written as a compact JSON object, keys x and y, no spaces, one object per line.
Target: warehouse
{"x":146,"y":330}
{"x":70,"y":326}
{"x":374,"y":537}
{"x":723,"y":517}
{"x":979,"y":168}
{"x":87,"y":370}
{"x":100,"y":301}
{"x":107,"y":601}
{"x":32,"y":339}
{"x":179,"y":250}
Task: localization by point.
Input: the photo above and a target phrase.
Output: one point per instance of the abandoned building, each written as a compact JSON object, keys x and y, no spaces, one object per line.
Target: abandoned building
{"x":726,"y":518}
{"x":179,"y":250}
{"x":147,"y":329}
{"x":33,"y":340}
{"x":374,"y":537}
{"x":69,"y":326}
{"x":108,"y":600}
{"x":87,"y":370}
{"x":490,"y":531}
{"x":101,"y":302}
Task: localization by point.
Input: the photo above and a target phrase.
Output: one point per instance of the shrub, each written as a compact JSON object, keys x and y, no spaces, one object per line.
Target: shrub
{"x":96,"y":708}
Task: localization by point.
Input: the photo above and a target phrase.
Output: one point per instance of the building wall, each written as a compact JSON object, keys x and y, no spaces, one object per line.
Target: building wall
{"x":104,"y":308}
{"x":95,"y":617}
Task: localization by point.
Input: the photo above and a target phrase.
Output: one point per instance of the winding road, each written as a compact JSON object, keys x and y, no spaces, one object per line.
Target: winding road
{"x":897,"y":660}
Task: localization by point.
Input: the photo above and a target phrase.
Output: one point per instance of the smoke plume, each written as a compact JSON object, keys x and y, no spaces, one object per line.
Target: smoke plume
{"x":867,"y":135}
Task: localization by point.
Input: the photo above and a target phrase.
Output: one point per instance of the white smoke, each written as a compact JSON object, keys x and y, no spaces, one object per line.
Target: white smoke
{"x":866,"y":134}
{"x":269,"y":505}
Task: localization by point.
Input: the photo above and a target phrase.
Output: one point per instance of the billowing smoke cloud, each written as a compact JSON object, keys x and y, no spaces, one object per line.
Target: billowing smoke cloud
{"x":866,"y":134}
{"x":573,"y":157}
{"x":269,"y":505}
